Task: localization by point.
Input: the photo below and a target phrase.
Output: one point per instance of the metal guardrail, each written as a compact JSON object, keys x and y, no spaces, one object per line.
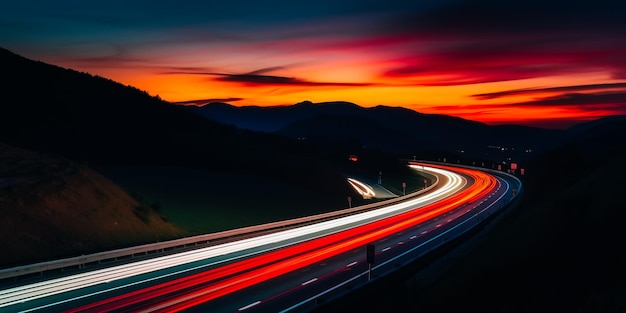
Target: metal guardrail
{"x":80,"y":261}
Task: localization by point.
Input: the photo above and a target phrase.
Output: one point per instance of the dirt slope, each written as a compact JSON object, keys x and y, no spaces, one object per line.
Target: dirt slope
{"x":52,"y":207}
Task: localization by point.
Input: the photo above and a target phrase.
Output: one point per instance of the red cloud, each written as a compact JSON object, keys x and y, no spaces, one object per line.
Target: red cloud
{"x":591,"y":87}
{"x":495,"y":59}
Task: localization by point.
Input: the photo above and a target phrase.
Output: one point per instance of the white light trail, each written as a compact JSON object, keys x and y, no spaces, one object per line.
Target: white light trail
{"x":283,"y":238}
{"x":309,"y":281}
{"x":249,"y":306}
{"x":365,"y":190}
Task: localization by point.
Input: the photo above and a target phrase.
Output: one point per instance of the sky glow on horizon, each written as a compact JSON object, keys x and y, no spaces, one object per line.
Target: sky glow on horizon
{"x":549,"y":64}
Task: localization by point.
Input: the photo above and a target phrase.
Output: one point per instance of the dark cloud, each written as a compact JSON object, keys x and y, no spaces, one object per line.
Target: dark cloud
{"x":253,"y":78}
{"x":202,"y":102}
{"x":513,"y":17}
{"x":600,"y":101}
{"x":617,"y":100}
{"x":267,"y":70}
{"x":505,"y":93}
{"x":257,"y":78}
{"x":481,"y":41}
{"x":187,"y":70}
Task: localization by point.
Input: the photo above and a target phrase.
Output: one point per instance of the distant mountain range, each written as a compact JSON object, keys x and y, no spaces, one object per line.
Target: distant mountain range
{"x":97,"y":120}
{"x":394,"y":129}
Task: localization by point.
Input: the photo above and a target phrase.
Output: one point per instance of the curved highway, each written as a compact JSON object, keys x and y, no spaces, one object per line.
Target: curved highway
{"x":289,"y":270}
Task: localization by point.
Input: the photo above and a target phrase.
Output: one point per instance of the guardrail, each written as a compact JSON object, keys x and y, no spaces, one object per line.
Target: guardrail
{"x":80,"y":261}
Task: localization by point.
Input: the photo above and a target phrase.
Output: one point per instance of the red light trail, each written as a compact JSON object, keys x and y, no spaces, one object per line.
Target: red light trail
{"x":186,"y":292}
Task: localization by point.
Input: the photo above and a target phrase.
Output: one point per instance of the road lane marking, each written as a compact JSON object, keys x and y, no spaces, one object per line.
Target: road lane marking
{"x":249,"y":305}
{"x":309,"y":281}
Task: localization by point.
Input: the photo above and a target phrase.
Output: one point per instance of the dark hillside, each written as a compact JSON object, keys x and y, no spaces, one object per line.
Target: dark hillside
{"x":369,"y":132}
{"x":101,"y":122}
{"x":52,"y":207}
{"x":87,"y":117}
{"x":560,"y":250}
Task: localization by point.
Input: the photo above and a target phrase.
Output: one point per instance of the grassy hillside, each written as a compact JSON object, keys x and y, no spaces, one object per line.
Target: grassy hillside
{"x":52,"y":207}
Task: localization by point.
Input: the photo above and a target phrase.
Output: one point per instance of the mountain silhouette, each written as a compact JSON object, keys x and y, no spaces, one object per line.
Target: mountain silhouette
{"x":394,"y":129}
{"x":98,"y":121}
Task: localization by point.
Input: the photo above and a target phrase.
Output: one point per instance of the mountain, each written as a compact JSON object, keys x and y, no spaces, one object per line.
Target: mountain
{"x":90,"y":118}
{"x":100,"y":122}
{"x":366,"y":131}
{"x":598,"y":134}
{"x":395,"y":129}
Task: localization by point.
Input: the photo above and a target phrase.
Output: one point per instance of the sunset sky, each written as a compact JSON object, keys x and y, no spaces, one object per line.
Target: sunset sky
{"x":541,"y":63}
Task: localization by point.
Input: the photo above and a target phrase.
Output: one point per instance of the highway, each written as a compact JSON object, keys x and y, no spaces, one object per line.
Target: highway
{"x":286,"y":270}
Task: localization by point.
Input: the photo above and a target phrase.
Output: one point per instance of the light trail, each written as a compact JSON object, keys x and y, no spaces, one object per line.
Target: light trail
{"x":287,"y":237}
{"x":195,"y":289}
{"x":403,"y":254}
{"x":366,"y":191}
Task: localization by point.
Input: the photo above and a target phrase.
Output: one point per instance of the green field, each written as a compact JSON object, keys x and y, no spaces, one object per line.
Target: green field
{"x":204,"y":202}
